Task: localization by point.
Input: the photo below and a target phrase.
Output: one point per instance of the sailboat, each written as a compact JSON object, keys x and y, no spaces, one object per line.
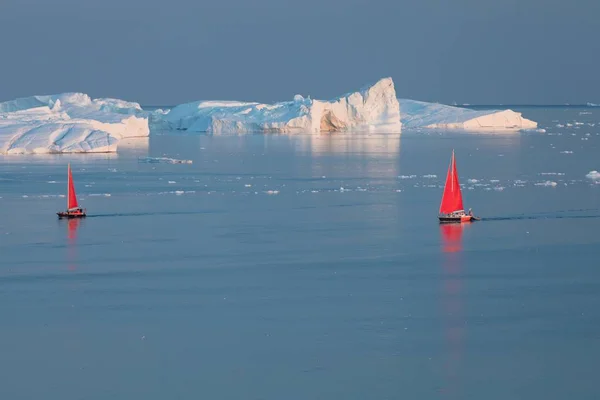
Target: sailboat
{"x":73,"y":209}
{"x":451,"y":209}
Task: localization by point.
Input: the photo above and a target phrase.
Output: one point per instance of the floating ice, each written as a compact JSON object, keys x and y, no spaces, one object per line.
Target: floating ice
{"x":419,"y":114}
{"x":473,"y":180}
{"x":430,"y":176}
{"x":68,"y":123}
{"x":540,"y":130}
{"x":407,"y":176}
{"x":547,"y":183}
{"x":373,"y":108}
{"x":179,"y":192}
{"x":593,"y":175}
{"x":566,"y":152}
{"x":165,"y":160}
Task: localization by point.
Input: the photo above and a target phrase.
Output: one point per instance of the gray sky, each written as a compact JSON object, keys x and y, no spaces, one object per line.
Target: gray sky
{"x":171,"y":51}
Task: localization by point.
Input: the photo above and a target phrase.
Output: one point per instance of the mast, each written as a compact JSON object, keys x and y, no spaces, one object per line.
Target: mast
{"x":69,"y":187}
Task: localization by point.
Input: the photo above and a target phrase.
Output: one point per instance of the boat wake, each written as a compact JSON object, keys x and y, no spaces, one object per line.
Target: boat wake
{"x":147,"y":214}
{"x":556,"y":215}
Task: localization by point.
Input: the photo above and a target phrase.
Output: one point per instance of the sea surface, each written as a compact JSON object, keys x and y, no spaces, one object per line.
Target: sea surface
{"x":306,"y":267}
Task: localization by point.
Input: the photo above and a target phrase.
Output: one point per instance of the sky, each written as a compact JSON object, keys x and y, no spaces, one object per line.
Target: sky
{"x":166,"y":52}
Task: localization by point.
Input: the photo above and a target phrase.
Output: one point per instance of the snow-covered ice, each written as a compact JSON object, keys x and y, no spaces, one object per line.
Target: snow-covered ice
{"x":68,"y":123}
{"x":73,"y":122}
{"x":373,"y":108}
{"x":419,"y":114}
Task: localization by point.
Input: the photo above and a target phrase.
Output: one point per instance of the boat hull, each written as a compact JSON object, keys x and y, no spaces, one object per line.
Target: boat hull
{"x":66,"y":214}
{"x":456,"y":219}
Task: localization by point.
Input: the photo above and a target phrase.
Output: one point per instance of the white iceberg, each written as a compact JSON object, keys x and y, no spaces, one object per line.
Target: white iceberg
{"x":373,"y":109}
{"x":68,"y":123}
{"x":419,"y":114}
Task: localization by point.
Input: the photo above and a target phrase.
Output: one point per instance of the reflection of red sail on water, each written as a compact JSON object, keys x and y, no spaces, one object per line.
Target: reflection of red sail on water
{"x":452,"y":237}
{"x":72,"y":227}
{"x":454,"y":318}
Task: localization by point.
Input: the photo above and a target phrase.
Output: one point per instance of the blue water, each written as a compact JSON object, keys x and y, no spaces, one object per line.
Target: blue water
{"x":299,"y":267}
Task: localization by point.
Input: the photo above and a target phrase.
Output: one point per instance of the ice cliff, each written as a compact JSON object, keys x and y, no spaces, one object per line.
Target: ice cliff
{"x":373,"y":108}
{"x":418,"y":114}
{"x":68,"y":123}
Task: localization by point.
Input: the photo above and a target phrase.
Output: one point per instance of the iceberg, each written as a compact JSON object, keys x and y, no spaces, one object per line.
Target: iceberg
{"x":419,"y":114}
{"x":374,"y":108}
{"x":68,"y":123}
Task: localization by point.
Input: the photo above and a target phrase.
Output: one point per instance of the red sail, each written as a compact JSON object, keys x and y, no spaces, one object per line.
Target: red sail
{"x":71,"y":197}
{"x":452,"y":198}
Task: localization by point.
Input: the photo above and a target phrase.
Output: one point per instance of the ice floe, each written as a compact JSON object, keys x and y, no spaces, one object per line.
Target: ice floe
{"x":539,"y":130}
{"x":546,"y":183}
{"x":165,"y":160}
{"x":593,"y":175}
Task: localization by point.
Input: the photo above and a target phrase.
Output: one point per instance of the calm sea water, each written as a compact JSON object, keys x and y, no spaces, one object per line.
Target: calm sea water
{"x":300,"y":267}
